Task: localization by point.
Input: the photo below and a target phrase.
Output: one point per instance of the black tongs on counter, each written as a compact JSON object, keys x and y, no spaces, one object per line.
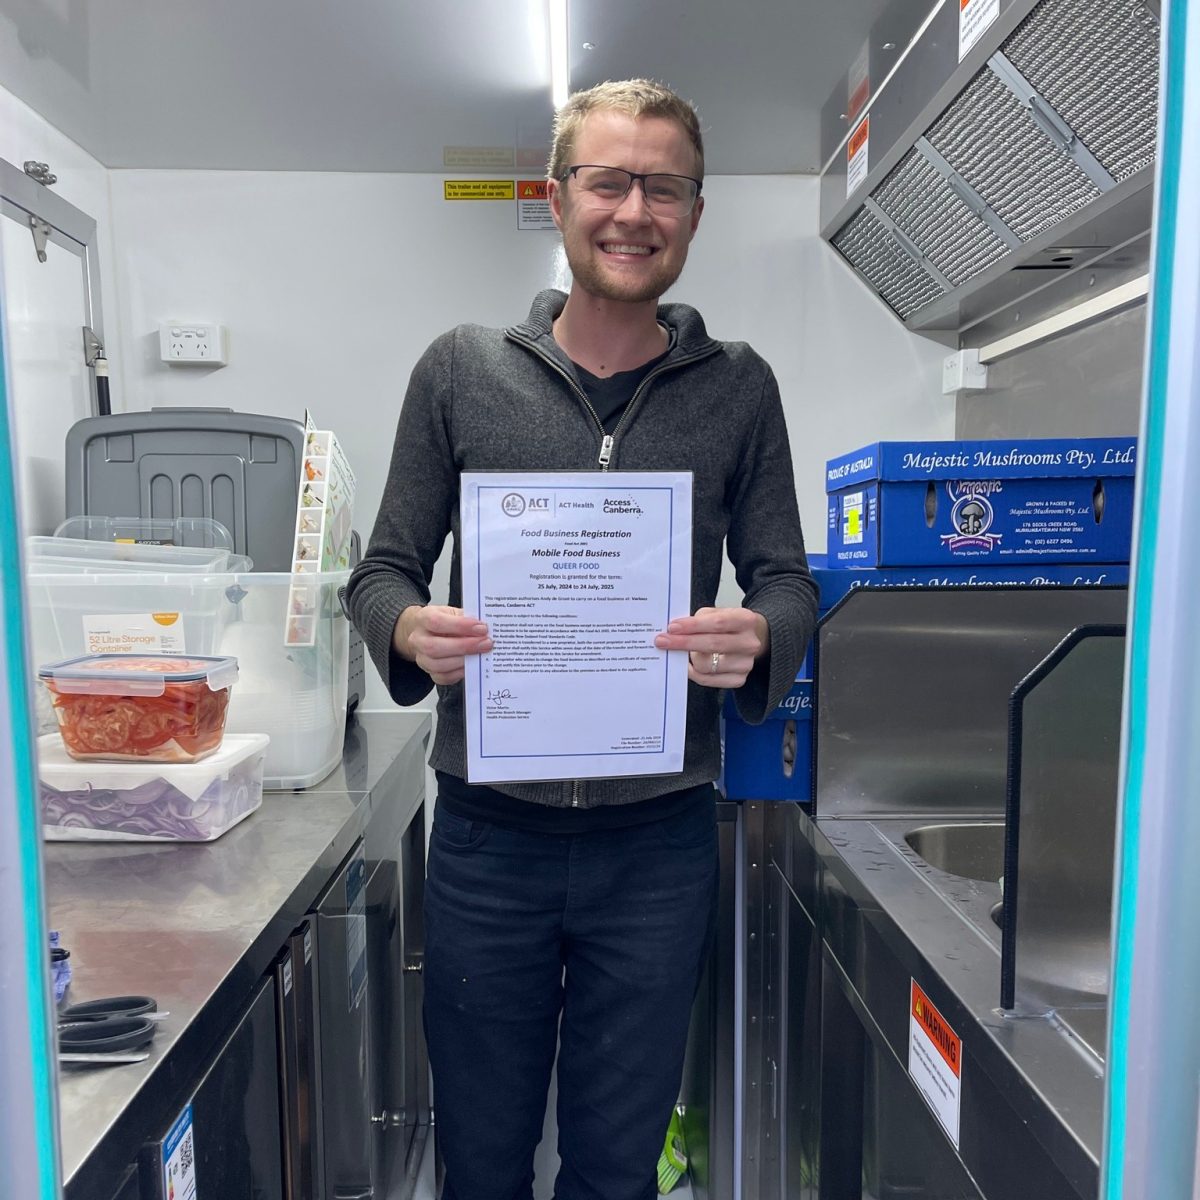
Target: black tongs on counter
{"x":115,"y":1029}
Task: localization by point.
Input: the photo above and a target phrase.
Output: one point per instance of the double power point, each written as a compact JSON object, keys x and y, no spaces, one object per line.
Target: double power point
{"x":192,"y":344}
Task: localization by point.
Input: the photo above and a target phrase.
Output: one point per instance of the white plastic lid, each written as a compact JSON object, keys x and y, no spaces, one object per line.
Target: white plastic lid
{"x":138,"y":674}
{"x":57,"y":769}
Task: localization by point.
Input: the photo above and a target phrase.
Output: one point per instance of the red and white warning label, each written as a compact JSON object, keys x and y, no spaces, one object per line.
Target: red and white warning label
{"x":533,"y":205}
{"x":857,"y":152}
{"x":974,"y":19}
{"x":935,"y":1061}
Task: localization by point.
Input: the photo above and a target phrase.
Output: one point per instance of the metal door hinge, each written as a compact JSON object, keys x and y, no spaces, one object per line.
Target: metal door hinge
{"x":41,"y":231}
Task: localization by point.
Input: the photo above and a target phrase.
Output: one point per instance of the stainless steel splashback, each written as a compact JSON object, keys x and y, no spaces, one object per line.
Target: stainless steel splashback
{"x":1030,"y":157}
{"x":1061,"y":830}
{"x":913,"y":688}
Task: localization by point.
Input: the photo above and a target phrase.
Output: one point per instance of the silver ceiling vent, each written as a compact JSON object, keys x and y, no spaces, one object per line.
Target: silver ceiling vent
{"x":977,"y":171}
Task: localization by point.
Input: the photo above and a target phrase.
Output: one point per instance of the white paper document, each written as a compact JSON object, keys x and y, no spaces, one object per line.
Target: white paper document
{"x":574,"y":574}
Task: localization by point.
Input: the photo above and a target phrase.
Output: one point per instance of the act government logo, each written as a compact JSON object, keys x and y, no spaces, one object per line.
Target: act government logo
{"x":514,"y":504}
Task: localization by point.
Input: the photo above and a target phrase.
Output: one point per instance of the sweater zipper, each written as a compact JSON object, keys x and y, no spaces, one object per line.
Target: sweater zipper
{"x":608,"y":440}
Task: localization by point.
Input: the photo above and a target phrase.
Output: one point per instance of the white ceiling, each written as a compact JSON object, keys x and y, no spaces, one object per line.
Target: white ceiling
{"x":387,"y":85}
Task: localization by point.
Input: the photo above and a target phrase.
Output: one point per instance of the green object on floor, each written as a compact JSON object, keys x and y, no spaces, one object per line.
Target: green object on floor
{"x":672,"y":1162}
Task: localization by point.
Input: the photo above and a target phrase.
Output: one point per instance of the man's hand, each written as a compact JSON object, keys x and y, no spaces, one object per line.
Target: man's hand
{"x":722,"y":644}
{"x":438,"y":638}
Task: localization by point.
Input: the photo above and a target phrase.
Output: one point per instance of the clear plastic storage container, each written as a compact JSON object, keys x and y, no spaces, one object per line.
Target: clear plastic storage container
{"x":296,"y":694}
{"x":141,"y":708}
{"x":172,"y":531}
{"x":138,"y":611}
{"x":82,"y":556}
{"x":149,"y":802}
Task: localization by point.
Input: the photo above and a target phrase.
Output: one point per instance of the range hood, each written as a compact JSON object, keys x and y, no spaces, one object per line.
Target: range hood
{"x":1031,"y":158}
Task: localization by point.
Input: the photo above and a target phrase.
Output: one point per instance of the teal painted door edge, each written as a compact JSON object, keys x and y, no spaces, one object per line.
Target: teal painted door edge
{"x":1153,"y":1059}
{"x":29,"y":1146}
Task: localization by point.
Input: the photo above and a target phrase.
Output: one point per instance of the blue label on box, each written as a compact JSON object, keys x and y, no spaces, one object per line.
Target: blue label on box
{"x":929,"y":503}
{"x":1043,"y":458}
{"x":836,"y":583}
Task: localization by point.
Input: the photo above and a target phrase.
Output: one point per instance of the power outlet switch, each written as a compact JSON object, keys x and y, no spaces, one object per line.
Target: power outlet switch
{"x":192,"y":343}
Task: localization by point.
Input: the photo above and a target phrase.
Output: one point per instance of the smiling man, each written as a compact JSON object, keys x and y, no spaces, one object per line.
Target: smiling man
{"x":576,"y":914}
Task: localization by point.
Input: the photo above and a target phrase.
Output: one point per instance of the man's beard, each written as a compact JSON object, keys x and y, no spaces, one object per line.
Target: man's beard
{"x":593,"y":279}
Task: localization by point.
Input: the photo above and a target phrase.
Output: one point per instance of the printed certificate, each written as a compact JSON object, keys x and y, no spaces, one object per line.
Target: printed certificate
{"x":575,"y":573}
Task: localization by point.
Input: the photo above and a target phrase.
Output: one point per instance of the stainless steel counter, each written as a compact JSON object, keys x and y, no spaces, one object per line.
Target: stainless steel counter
{"x":196,"y":926}
{"x":1032,"y":1091}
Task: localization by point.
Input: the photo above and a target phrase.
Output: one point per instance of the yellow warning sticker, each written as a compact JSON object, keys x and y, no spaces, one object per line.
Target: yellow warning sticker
{"x":479,"y":189}
{"x":477,"y":158}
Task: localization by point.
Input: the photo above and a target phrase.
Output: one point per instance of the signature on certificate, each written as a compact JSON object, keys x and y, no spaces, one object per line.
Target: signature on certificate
{"x":499,"y":698}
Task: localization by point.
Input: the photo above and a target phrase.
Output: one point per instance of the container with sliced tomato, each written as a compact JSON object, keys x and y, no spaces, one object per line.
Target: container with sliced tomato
{"x":139,"y":707}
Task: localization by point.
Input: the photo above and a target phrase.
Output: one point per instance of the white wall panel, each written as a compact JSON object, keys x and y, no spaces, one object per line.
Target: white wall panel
{"x":331,"y":286}
{"x":36,"y":331}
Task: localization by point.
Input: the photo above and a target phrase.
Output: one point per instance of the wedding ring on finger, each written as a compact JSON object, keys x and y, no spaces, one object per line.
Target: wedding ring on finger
{"x":716,"y":664}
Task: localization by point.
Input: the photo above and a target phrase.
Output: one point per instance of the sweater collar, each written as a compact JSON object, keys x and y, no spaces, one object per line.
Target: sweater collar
{"x":689,"y":333}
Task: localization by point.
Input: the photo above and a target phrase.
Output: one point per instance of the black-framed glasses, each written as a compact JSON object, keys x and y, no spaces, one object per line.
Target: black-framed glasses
{"x":607,"y":187}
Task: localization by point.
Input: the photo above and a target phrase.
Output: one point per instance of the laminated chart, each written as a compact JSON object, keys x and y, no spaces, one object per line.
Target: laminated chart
{"x":324,"y":513}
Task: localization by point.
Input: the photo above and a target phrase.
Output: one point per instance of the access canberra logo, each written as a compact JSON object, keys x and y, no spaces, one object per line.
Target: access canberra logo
{"x":972,"y":515}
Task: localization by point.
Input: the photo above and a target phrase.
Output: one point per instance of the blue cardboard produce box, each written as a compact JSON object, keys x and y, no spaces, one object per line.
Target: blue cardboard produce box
{"x":895,"y":504}
{"x":771,"y":761}
{"x":835,"y":583}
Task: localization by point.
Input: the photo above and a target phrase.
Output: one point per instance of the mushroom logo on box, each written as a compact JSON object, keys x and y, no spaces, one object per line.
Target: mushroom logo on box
{"x":972,"y":515}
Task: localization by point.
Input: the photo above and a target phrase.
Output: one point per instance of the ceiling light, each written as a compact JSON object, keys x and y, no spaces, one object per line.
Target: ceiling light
{"x":559,"y":67}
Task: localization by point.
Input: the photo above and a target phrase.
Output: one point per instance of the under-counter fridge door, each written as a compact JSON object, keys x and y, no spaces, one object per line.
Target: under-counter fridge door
{"x":351,"y":1145}
{"x":226,"y":1140}
{"x":395,"y":941}
{"x":295,"y":991}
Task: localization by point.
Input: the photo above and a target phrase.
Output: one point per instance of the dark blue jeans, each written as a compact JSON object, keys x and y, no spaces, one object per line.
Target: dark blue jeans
{"x":606,"y":931}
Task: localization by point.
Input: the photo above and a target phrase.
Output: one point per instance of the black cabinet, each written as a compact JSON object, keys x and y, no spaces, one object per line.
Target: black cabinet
{"x":234,"y":1116}
{"x":372,"y":1062}
{"x":295,"y":994}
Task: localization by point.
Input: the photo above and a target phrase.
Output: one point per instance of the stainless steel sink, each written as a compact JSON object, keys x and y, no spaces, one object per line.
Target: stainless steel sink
{"x":974,"y":850}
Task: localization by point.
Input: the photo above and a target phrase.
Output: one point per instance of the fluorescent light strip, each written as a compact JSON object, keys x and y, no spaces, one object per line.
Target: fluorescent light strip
{"x":559,"y":69}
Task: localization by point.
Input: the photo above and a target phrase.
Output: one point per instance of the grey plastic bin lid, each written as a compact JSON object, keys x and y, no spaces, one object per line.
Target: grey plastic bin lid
{"x":241,"y":469}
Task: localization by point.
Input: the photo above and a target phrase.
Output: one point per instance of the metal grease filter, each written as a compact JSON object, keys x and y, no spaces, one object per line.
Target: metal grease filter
{"x":917,"y":197}
{"x":874,"y":253}
{"x":1097,"y":64}
{"x":988,"y":136}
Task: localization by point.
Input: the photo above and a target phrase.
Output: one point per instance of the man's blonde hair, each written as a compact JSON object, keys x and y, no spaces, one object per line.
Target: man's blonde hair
{"x":633,"y":97}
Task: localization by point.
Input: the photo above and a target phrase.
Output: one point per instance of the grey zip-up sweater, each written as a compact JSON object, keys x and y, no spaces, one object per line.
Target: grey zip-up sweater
{"x":485,"y":399}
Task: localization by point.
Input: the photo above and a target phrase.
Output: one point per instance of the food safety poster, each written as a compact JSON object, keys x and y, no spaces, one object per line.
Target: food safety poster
{"x":935,"y":1061}
{"x":324,"y":512}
